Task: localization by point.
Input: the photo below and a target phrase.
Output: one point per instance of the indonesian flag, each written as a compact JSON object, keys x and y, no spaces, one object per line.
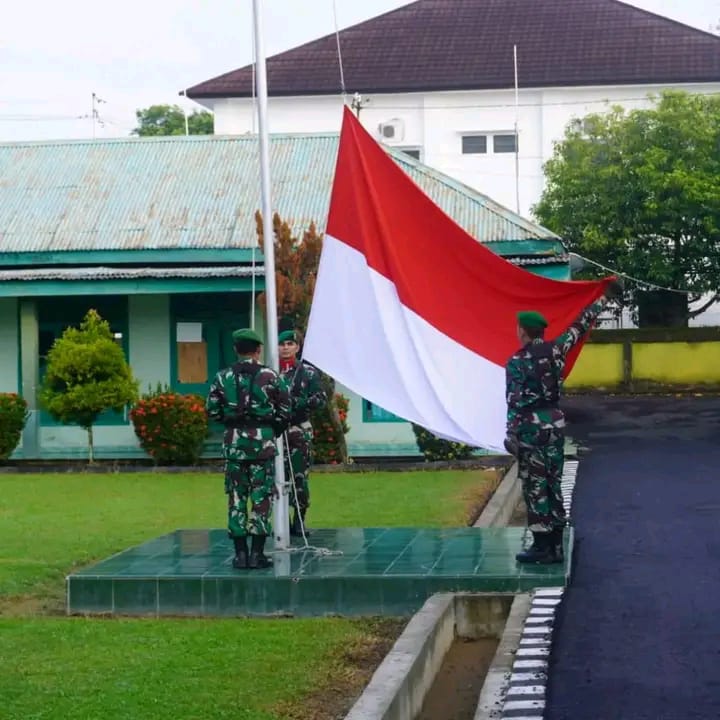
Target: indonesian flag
{"x":414,"y":314}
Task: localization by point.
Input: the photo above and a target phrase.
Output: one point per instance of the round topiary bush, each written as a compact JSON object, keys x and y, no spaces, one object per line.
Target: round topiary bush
{"x":13,"y":416}
{"x":172,"y":428}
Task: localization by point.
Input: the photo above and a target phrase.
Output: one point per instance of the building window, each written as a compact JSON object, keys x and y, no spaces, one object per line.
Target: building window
{"x":374,"y":413}
{"x":474,"y":144}
{"x":504,"y":143}
{"x":413,"y":152}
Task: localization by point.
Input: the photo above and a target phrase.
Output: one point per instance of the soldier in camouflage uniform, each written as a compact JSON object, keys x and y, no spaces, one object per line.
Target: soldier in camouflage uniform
{"x":307,"y":395}
{"x":535,"y":424}
{"x":253,"y":403}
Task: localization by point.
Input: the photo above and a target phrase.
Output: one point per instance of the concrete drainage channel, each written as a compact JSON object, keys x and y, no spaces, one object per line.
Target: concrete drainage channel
{"x":471,"y":656}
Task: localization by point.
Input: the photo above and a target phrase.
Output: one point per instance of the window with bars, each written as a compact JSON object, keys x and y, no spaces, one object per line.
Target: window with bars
{"x":504,"y":143}
{"x":474,"y":144}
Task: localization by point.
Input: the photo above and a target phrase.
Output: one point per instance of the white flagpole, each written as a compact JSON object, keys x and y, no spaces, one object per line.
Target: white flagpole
{"x":517,"y":136}
{"x":281,"y":522}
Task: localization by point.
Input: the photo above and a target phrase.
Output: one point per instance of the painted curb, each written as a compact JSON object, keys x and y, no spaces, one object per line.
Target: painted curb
{"x":504,"y":500}
{"x":527,"y":685}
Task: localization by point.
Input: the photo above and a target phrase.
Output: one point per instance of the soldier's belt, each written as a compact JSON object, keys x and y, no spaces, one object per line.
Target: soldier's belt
{"x":239,"y":425}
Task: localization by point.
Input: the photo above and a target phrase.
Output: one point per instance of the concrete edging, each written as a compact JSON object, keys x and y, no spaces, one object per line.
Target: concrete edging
{"x":398,"y":687}
{"x":498,"y":674}
{"x":504,"y":500}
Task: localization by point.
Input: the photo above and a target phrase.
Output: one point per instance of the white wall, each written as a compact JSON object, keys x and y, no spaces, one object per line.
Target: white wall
{"x":436,"y":121}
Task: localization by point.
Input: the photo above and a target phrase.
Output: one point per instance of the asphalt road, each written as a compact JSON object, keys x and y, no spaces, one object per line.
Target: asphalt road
{"x":638,"y":632}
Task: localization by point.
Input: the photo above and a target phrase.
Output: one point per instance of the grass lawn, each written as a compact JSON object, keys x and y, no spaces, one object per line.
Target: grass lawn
{"x":79,"y":669}
{"x":57,"y":667}
{"x":50,"y":524}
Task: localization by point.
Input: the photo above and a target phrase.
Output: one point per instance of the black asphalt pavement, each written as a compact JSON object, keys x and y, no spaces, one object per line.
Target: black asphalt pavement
{"x":638,"y":633}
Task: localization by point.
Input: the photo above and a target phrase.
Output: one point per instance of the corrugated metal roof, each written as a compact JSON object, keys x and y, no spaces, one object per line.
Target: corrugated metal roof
{"x":124,"y":273}
{"x":195,"y":192}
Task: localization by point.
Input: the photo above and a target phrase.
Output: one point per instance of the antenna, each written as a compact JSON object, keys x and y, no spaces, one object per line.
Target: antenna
{"x":95,"y":115}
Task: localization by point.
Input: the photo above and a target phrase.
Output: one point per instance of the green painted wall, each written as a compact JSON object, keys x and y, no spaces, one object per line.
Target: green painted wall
{"x":149,"y":333}
{"x":9,"y":345}
{"x":149,"y":348}
{"x":376,"y":438}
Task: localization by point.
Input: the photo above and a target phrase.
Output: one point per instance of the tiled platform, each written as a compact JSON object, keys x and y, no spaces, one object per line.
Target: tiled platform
{"x":381,"y":571}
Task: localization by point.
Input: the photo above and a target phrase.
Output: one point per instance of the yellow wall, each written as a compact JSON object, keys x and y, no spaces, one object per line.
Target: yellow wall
{"x":669,"y":363}
{"x":677,"y":362}
{"x":598,"y":366}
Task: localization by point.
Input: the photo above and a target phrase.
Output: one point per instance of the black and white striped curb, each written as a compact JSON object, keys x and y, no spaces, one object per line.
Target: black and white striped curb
{"x":525,"y":696}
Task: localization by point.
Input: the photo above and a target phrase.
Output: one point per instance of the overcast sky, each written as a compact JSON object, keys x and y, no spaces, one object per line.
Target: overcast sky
{"x":54,"y":55}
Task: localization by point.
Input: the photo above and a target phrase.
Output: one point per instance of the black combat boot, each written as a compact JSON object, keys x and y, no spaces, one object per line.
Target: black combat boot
{"x":258,"y":560}
{"x":240,"y":561}
{"x":557,"y":539}
{"x":541,"y":552}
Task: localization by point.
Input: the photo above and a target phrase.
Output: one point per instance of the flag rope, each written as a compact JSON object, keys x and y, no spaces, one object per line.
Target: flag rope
{"x":343,"y":89}
{"x":644,"y":284}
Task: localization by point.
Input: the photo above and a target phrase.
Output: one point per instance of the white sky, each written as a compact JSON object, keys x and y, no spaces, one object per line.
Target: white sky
{"x":54,"y":55}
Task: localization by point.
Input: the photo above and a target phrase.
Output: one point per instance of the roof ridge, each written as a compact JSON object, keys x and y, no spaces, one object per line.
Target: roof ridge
{"x":133,"y":140}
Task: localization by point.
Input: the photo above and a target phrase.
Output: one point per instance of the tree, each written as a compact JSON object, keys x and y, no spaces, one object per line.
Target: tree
{"x":296,"y":267}
{"x":170,"y":120}
{"x":86,"y":375}
{"x":639,"y":191}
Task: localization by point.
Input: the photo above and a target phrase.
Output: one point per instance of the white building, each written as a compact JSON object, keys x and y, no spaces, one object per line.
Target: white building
{"x":436,"y":78}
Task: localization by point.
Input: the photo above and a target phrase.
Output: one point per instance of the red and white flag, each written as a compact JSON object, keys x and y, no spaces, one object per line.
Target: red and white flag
{"x":411,"y":312}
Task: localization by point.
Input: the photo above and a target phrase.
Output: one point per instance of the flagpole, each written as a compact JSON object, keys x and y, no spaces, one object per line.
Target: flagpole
{"x":517,"y":138}
{"x":281,"y":522}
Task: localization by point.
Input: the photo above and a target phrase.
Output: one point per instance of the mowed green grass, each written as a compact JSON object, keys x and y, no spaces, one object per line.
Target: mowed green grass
{"x":195,"y":669}
{"x":51,"y":524}
{"x":82,"y":669}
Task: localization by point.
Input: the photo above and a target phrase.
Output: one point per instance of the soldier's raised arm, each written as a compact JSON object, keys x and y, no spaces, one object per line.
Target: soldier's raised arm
{"x":572,"y":336}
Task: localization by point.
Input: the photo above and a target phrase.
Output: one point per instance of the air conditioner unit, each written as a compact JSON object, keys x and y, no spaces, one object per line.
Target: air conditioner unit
{"x":392,"y":130}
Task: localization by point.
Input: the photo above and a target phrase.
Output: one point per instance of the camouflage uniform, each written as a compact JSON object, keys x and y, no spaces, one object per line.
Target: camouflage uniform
{"x":536,"y":423}
{"x":249,"y":446}
{"x":308,"y":394}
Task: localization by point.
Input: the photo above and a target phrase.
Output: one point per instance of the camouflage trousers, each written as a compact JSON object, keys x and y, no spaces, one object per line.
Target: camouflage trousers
{"x":253,"y":481}
{"x":540,"y":468}
{"x":300,"y":439}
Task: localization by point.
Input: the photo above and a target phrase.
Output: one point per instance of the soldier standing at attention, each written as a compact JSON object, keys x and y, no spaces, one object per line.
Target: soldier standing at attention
{"x":253,"y":403}
{"x":307,"y":395}
{"x":535,"y":424}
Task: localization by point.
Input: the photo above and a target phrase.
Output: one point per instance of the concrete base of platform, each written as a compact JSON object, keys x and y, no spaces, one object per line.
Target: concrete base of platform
{"x":370,"y":571}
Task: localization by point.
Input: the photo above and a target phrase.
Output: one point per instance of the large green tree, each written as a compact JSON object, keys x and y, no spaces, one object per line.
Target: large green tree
{"x":640,"y":191}
{"x":170,"y":120}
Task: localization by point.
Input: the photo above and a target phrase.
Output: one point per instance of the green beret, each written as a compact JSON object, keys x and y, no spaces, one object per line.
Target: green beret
{"x":287,"y":335}
{"x":531,"y":319}
{"x":246,"y":334}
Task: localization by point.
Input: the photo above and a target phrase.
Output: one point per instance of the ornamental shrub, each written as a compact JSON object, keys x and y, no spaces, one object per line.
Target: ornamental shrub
{"x":172,"y":428}
{"x":327,"y":442}
{"x":434,"y":448}
{"x":87,"y":374}
{"x":13,"y":416}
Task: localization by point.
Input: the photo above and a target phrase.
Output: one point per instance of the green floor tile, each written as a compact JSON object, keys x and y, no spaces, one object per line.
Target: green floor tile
{"x":373,"y":571}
